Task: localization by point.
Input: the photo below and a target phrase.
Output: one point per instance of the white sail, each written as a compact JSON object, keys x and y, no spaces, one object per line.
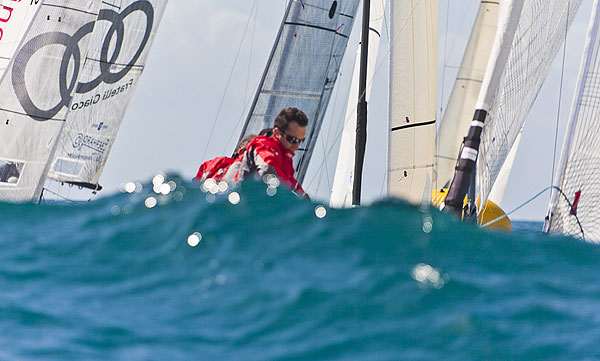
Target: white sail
{"x":542,"y":27}
{"x":497,"y":192}
{"x":36,"y":90}
{"x":578,"y":175}
{"x":413,"y":81}
{"x":15,"y":20}
{"x":303,"y":68}
{"x":341,"y":191}
{"x":461,"y":104}
{"x":120,"y":44}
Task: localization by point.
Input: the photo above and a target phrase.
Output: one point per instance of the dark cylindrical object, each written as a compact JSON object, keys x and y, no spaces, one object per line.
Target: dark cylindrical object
{"x":361,"y":115}
{"x":465,"y":169}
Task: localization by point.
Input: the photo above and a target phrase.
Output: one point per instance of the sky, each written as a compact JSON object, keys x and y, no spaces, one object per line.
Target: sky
{"x":209,"y":56}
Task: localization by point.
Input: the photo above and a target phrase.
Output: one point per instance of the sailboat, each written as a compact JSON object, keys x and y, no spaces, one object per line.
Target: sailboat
{"x":513,"y":78}
{"x":572,"y":209}
{"x":74,"y":69}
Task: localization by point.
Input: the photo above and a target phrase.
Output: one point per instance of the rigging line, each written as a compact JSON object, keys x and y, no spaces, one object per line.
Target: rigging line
{"x":247,"y":97}
{"x":228,"y":82}
{"x":562,"y":72}
{"x":531,"y":200}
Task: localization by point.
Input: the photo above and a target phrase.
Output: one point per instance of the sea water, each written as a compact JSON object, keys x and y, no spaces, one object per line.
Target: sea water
{"x":260,"y":274}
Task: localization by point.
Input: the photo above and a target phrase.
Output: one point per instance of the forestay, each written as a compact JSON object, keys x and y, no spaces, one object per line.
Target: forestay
{"x":541,"y":30}
{"x":578,"y":175}
{"x":120,"y":44}
{"x":413,"y":81}
{"x":303,"y":68}
{"x":36,"y":90}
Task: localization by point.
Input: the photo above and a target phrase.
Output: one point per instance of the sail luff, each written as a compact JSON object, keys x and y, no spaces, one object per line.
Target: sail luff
{"x":341,"y":191}
{"x":575,"y":172}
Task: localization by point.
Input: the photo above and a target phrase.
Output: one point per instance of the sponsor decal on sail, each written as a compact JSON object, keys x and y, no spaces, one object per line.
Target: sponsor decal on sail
{"x":72,"y":54}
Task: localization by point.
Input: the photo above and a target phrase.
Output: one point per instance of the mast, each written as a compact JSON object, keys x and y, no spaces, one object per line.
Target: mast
{"x":361,"y":109}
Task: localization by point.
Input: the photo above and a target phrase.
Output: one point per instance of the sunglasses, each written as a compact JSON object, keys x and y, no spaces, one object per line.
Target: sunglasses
{"x":293,"y":140}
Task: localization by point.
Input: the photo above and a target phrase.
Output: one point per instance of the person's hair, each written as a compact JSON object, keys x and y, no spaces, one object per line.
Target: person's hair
{"x":266,"y":132}
{"x":242,"y":144}
{"x":288,"y":115}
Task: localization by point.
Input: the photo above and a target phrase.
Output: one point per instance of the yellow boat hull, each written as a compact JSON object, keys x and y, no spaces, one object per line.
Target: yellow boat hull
{"x":491,"y":211}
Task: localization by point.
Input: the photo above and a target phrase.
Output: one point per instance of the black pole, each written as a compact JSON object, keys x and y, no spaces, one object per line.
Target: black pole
{"x":465,"y":169}
{"x":361,"y":111}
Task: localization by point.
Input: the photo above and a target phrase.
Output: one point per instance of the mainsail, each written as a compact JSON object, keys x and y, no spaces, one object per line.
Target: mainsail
{"x":36,"y":90}
{"x":119,"y":46}
{"x":461,"y":104}
{"x":341,"y":191}
{"x":575,"y":211}
{"x":413,"y":81}
{"x":303,"y":68}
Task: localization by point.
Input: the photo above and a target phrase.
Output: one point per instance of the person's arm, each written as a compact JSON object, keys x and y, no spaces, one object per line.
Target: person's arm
{"x":259,"y":160}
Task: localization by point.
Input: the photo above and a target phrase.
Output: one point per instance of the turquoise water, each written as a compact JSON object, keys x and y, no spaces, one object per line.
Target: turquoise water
{"x":269,"y":280}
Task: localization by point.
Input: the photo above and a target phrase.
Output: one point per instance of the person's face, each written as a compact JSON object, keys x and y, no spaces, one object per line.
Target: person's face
{"x":293,"y":131}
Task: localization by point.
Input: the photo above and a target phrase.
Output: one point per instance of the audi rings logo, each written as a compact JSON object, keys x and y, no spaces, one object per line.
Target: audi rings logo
{"x":73,"y":52}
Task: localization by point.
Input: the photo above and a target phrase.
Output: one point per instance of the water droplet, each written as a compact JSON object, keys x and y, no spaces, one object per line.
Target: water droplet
{"x":165,"y":189}
{"x":115,"y":210}
{"x":158,"y":179}
{"x":194,"y":239}
{"x":234,"y":198}
{"x":150,"y":202}
{"x":320,"y":211}
{"x":130,"y":187}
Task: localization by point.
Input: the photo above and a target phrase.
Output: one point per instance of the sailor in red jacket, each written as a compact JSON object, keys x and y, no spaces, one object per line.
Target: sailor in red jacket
{"x":273,"y":155}
{"x":217,"y":167}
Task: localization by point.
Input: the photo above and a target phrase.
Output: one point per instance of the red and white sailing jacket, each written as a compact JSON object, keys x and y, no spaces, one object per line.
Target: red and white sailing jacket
{"x":214,"y":168}
{"x":266,"y":155}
